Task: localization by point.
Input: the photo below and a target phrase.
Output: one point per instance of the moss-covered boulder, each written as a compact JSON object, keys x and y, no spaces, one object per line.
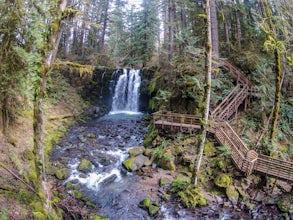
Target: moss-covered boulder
{"x":167,"y":161}
{"x":136,"y":151}
{"x":145,"y":204}
{"x":85,"y":166}
{"x":135,"y":163}
{"x":148,"y":152}
{"x":62,"y":174}
{"x":232,"y":194}
{"x":285,"y":204}
{"x":223,"y":180}
{"x":28,"y":154}
{"x":154,"y":210}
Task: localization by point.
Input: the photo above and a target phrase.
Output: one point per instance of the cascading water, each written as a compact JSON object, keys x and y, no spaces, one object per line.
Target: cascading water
{"x":126,"y":93}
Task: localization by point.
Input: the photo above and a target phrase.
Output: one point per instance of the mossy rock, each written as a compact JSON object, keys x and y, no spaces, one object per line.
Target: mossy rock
{"x":209,"y":149}
{"x":167,"y":162}
{"x":62,"y":174}
{"x":202,"y":201}
{"x":135,"y":163}
{"x":28,"y":155}
{"x":222,"y":180}
{"x":232,"y":194}
{"x":39,"y":216}
{"x":166,"y":197}
{"x":68,"y":185}
{"x":136,"y":151}
{"x":98,"y":217}
{"x":285,"y":204}
{"x":85,"y":166}
{"x":145,"y":204}
{"x":148,"y":152}
{"x":154,"y":210}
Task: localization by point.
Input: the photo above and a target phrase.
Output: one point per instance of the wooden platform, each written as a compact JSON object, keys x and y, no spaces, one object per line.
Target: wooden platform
{"x":245,"y":159}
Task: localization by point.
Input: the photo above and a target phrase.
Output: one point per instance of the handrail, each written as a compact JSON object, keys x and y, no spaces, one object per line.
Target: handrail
{"x":245,"y":159}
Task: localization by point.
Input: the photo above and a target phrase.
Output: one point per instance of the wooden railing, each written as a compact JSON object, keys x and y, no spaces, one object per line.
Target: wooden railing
{"x":245,"y":159}
{"x":235,"y":72}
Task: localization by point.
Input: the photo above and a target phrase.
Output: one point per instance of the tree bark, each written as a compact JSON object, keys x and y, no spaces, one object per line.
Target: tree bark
{"x":49,"y":51}
{"x":214,"y":29}
{"x":277,"y":103}
{"x":208,"y":68}
{"x":105,"y":23}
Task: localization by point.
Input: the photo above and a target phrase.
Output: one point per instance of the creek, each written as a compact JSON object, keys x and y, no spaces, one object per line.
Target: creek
{"x":105,"y":142}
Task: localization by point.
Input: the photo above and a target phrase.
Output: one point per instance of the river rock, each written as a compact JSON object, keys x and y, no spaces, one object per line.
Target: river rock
{"x":62,"y":174}
{"x":135,"y":163}
{"x":85,"y":166}
{"x":109,"y":179}
{"x":136,"y":151}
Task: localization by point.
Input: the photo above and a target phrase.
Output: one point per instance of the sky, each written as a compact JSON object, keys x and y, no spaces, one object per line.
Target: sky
{"x":136,"y":3}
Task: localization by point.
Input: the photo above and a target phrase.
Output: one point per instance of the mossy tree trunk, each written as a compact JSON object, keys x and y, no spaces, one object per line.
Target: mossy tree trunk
{"x":277,"y":102}
{"x":207,"y":96}
{"x":49,"y":52}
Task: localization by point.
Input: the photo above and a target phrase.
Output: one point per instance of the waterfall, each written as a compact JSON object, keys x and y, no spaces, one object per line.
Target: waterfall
{"x":126,"y":93}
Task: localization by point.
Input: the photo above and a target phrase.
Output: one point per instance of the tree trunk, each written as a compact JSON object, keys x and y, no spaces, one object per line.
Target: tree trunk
{"x":50,"y":52}
{"x":105,"y":23}
{"x":277,"y":103}
{"x":207,"y":96}
{"x":214,"y":29}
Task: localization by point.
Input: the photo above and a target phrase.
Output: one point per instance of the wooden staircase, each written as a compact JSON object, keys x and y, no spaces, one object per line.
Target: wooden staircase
{"x":246,"y":160}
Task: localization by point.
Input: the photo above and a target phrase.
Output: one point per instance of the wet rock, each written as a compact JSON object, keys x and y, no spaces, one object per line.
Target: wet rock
{"x":105,"y":161}
{"x":85,"y":166}
{"x":135,"y":163}
{"x":232,"y":194}
{"x":82,"y":175}
{"x":109,"y":179}
{"x":121,"y":145}
{"x":136,"y":151}
{"x":75,"y":181}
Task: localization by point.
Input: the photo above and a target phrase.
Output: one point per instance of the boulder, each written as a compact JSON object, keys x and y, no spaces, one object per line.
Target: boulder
{"x":135,"y":163}
{"x":109,"y":179}
{"x":167,"y":161}
{"x":62,"y":174}
{"x":85,"y":166}
{"x":136,"y":151}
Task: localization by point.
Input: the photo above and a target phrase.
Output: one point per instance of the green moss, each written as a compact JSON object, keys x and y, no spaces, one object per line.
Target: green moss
{"x":62,"y":174}
{"x":68,"y":185}
{"x":232,"y":194}
{"x":222,"y":180}
{"x":166,"y":197}
{"x":153,"y":210}
{"x":39,"y":216}
{"x":284,"y":205}
{"x":148,"y":152}
{"x":90,"y":204}
{"x":128,"y":163}
{"x":167,"y":161}
{"x":85,"y":166}
{"x":150,"y":136}
{"x":136,"y":151}
{"x":145,"y":204}
{"x":209,"y":149}
{"x":202,"y":201}
{"x":98,"y":217}
{"x":28,"y":155}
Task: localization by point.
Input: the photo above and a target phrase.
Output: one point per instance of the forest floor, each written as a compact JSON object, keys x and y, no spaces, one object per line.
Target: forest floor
{"x":17,"y":146}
